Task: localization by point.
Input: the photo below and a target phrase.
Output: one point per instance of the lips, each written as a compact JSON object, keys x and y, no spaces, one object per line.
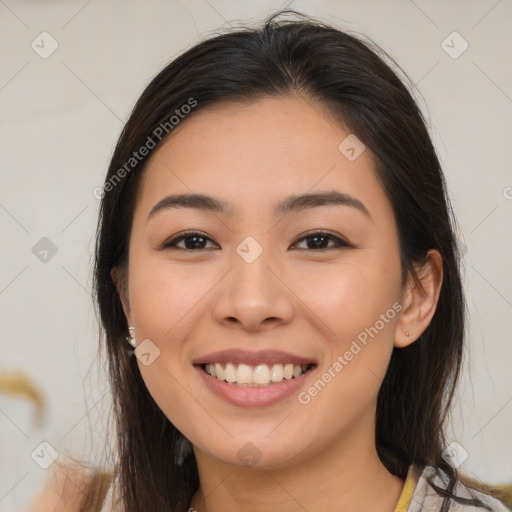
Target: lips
{"x":240,"y":356}
{"x":252,"y":379}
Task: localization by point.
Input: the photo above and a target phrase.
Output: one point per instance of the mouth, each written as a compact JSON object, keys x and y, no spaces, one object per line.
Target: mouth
{"x":247,"y":378}
{"x":254,"y":376}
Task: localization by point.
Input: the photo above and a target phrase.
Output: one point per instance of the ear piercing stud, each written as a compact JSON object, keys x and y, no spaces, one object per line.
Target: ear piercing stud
{"x":130,"y":339}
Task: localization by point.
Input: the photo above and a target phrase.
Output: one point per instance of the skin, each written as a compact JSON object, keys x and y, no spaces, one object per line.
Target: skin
{"x":293,"y":297}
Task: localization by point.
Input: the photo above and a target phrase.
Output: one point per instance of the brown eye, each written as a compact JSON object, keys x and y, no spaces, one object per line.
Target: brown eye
{"x":320,"y":240}
{"x":193,"y":240}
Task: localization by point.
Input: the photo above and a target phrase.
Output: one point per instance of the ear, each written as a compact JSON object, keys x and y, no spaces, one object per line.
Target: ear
{"x":419,"y":300}
{"x":122,"y":289}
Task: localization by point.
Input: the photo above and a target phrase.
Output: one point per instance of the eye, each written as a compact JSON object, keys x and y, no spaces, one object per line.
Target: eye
{"x":320,"y":238}
{"x":193,"y":240}
{"x":196,"y":240}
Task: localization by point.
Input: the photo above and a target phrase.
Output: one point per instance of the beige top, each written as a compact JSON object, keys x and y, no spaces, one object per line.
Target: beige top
{"x":417,"y":495}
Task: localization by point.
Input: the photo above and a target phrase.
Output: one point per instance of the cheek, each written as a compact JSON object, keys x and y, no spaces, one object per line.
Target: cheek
{"x":166,"y":306}
{"x":164,"y":298}
{"x":358,"y":305}
{"x":352,"y":296}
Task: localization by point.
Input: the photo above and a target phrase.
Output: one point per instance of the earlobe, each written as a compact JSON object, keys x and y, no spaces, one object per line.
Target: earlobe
{"x":420,"y":300}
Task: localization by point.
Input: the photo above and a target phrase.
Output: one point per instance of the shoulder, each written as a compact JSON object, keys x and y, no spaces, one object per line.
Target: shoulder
{"x":68,"y":486}
{"x":425,"y":497}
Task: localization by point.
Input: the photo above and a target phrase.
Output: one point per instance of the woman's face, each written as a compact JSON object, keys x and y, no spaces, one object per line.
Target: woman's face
{"x":258,"y":288}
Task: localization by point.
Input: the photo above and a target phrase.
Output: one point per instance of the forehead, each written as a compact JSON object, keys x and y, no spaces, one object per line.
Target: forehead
{"x":254,"y":153}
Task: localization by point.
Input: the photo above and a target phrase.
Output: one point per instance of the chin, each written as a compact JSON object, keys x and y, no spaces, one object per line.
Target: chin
{"x":257,"y":454}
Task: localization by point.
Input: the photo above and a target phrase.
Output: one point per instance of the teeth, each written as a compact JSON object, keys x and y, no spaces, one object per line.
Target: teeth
{"x":230,"y":372}
{"x":277,"y":373}
{"x":261,"y":374}
{"x":297,"y":370}
{"x":219,"y":372}
{"x":254,"y":376}
{"x":244,"y":374}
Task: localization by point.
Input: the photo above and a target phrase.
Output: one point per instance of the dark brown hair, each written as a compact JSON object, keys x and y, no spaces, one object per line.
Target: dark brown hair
{"x":355,"y":83}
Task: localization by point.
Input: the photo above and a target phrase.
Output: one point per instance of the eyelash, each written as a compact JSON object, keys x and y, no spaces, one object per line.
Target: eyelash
{"x":171,"y":244}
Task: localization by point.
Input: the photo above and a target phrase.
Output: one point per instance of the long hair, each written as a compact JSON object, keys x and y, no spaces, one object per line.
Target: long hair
{"x":354,"y":81}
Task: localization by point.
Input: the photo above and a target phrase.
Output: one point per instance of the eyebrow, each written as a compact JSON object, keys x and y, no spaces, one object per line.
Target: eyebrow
{"x":291,"y":204}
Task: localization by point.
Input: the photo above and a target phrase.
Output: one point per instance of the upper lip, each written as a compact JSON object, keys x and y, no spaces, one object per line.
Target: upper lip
{"x":252,"y":358}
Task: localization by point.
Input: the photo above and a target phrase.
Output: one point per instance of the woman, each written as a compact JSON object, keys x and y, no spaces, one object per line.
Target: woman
{"x":278,"y":281}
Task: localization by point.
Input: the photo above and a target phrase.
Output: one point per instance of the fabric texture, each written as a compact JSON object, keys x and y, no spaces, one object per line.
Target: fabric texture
{"x":426,"y":499}
{"x":417,"y":495}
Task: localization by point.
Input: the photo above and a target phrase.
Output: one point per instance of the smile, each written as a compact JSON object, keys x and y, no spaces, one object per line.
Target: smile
{"x":255,"y":375}
{"x":248,"y":378}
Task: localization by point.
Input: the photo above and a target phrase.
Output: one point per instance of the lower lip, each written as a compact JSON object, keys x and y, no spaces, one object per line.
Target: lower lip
{"x":245,"y":396}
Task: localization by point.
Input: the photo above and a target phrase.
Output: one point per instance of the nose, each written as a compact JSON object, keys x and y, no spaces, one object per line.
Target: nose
{"x":254,"y":296}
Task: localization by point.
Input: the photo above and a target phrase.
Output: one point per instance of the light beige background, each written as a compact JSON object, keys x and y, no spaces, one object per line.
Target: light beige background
{"x":61,"y":117}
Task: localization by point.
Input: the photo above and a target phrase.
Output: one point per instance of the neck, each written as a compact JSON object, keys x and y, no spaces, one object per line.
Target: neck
{"x":347,"y":476}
